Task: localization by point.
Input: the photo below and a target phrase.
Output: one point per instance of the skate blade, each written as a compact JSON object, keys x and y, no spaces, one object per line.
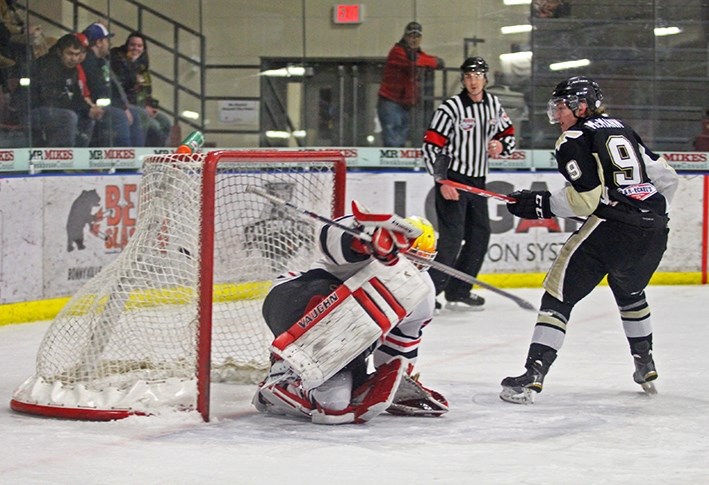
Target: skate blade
{"x":463,"y":308}
{"x":649,"y":388}
{"x":510,"y":394}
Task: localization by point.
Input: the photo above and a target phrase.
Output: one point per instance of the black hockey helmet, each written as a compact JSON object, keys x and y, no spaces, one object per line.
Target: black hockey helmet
{"x":474,"y":64}
{"x":573,"y":90}
{"x":577,"y":88}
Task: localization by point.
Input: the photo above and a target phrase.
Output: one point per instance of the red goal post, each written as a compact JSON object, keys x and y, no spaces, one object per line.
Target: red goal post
{"x":180,"y":307}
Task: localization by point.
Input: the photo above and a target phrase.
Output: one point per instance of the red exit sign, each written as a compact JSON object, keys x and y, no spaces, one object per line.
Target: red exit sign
{"x":352,"y":13}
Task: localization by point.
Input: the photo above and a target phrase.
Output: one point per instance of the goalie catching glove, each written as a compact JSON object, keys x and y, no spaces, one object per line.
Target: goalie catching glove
{"x":531,"y":204}
{"x":389,"y":234}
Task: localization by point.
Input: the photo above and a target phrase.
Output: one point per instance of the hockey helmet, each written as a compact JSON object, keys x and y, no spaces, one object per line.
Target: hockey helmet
{"x":474,"y":64}
{"x":425,"y":245}
{"x":571,"y":92}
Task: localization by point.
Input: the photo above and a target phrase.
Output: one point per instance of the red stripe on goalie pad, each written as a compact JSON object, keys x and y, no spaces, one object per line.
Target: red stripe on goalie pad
{"x":388,"y":297}
{"x":312,"y":317}
{"x":372,"y":309}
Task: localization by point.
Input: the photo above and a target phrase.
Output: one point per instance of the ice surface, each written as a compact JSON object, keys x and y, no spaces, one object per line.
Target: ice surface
{"x":591,"y":425}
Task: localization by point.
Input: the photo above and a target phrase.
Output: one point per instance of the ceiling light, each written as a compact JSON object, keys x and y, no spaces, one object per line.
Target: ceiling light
{"x":190,"y":115}
{"x":516,"y":56}
{"x":277,"y":134}
{"x":560,"y":66}
{"x":515,"y":29}
{"x":285,"y":71}
{"x":517,"y":2}
{"x":662,"y":31}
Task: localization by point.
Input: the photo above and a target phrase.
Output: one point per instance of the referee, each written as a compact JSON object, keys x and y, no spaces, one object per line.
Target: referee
{"x":464,"y":131}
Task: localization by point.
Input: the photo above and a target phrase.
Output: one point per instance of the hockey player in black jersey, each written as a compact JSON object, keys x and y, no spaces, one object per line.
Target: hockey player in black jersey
{"x":623,"y":190}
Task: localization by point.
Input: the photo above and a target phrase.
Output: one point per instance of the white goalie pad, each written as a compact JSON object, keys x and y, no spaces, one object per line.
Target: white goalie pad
{"x":350,"y":319}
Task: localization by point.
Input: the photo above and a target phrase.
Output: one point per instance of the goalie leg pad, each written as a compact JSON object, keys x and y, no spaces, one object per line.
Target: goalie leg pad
{"x":369,"y":400}
{"x":376,"y":394}
{"x":413,"y":399}
{"x":350,"y":320}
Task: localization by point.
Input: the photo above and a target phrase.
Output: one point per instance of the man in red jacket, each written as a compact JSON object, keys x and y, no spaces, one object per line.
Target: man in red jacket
{"x":399,"y":90}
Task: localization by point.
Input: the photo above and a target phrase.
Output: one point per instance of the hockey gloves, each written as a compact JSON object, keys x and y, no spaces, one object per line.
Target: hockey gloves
{"x":389,"y":234}
{"x":386,"y":244}
{"x":531,"y":204}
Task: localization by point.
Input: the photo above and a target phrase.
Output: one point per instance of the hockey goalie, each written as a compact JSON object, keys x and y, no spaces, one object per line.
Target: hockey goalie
{"x":347,"y":330}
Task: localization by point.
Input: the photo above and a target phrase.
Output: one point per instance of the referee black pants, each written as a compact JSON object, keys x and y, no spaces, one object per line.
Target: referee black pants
{"x":463,"y":237}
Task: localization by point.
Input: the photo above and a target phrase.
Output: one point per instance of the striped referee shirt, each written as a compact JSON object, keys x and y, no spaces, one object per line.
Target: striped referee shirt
{"x":462,"y":128}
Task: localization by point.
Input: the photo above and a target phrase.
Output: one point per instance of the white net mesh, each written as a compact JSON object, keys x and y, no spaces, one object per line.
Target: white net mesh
{"x":137,"y":322}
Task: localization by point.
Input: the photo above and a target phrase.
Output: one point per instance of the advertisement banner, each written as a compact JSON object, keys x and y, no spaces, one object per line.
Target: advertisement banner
{"x":524,"y":246}
{"x":21,"y":201}
{"x":57,"y":232}
{"x":88,"y":220}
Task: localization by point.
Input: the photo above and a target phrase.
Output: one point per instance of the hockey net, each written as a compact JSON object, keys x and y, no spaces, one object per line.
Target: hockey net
{"x":181,"y":305}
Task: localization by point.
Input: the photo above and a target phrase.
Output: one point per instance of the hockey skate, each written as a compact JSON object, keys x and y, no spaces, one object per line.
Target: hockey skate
{"x":469,"y":303}
{"x":521,"y":389}
{"x":282,"y":393}
{"x":413,"y":399}
{"x":645,"y":371}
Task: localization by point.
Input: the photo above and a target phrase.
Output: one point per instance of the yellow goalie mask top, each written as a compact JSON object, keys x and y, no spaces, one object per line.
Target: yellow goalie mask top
{"x":425,"y":245}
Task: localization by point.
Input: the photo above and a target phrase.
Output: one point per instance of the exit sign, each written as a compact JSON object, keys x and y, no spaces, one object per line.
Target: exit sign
{"x":348,"y":13}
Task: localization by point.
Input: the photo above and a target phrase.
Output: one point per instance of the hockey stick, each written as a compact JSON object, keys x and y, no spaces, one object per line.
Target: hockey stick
{"x":477,"y":191}
{"x":440,"y":175}
{"x":443,"y":268}
{"x":492,"y":195}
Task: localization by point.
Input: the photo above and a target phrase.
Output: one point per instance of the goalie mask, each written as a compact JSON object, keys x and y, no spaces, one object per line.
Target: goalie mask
{"x":425,"y":245}
{"x":571,"y":92}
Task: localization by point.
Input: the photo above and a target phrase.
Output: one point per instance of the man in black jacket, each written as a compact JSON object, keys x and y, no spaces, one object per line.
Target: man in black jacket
{"x":61,"y":117}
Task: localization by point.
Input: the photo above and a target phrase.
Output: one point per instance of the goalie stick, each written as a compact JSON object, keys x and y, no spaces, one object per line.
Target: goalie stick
{"x":443,"y":268}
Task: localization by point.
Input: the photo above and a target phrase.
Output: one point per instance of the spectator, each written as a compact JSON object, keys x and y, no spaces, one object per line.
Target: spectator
{"x":60,"y":114}
{"x":132,"y":67}
{"x":121,"y":126}
{"x":15,"y":37}
{"x":12,"y":33}
{"x":550,"y":9}
{"x":464,"y":131}
{"x":399,"y":89}
{"x":85,"y":131}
